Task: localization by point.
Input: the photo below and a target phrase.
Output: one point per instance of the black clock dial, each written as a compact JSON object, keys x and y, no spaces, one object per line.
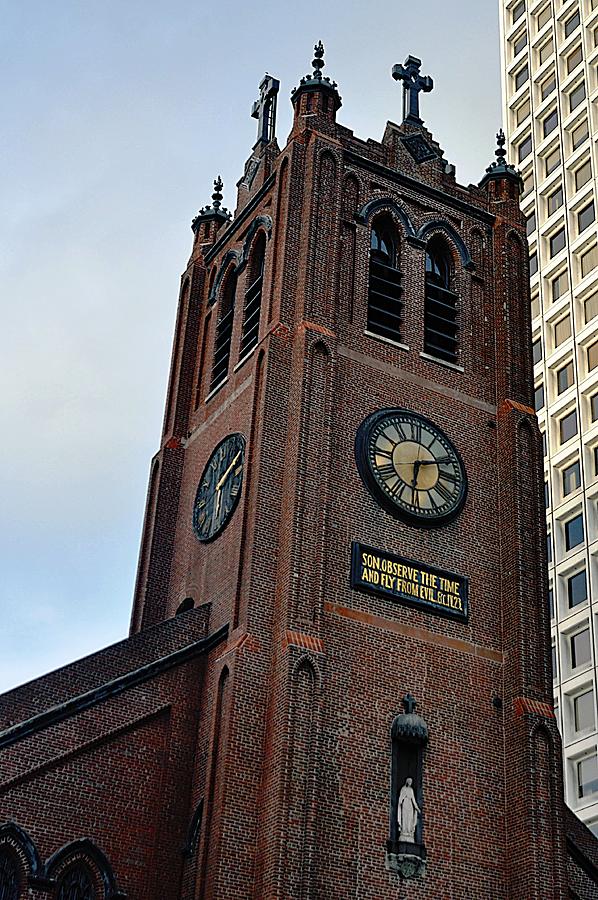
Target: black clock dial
{"x":410,"y":467}
{"x":219,"y":488}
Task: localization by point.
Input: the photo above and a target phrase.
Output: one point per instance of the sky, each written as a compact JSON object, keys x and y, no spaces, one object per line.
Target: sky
{"x":116,"y":117}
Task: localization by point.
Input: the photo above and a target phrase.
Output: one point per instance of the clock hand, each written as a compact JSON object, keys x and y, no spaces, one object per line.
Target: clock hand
{"x":416,"y":465}
{"x":434,"y":462}
{"x":226,"y":474}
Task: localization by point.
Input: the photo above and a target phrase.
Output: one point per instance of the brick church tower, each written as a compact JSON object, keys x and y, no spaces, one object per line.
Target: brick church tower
{"x":338,"y":681}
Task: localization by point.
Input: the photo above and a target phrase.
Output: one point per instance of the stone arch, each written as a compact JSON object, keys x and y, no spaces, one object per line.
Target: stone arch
{"x":320,"y":348}
{"x":543,"y":771}
{"x":231,"y":260}
{"x":350,"y":202}
{"x":216,"y":788}
{"x":302,"y":778}
{"x":389,"y":205}
{"x":202,"y":350}
{"x":532,"y":578}
{"x":176,"y":353}
{"x":428,"y":229}
{"x":306,"y":664}
{"x":212,"y":279}
{"x":280,"y":216}
{"x":519,"y":318}
{"x":260,"y":223}
{"x":477,"y":240}
{"x":16,"y":843}
{"x":83,"y":852}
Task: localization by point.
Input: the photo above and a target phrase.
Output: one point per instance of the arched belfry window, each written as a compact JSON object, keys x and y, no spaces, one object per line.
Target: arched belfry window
{"x":440,"y":311}
{"x":9,"y":876}
{"x":224,"y":331}
{"x":77,"y":883}
{"x":253,"y":298}
{"x":384,"y":287}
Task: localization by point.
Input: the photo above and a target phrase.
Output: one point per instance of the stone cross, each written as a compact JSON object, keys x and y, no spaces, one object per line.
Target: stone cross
{"x":264,"y":109}
{"x":409,"y":703}
{"x":413,"y":84}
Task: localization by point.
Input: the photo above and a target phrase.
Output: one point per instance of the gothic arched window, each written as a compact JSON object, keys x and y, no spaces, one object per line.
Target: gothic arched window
{"x":253,"y":298}
{"x":76,"y":884}
{"x":9,"y":877}
{"x":224,"y":331}
{"x":384,"y":286}
{"x":440,"y":310}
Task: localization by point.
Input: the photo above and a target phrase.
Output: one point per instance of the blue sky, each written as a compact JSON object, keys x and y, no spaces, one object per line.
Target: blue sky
{"x":116,"y":118}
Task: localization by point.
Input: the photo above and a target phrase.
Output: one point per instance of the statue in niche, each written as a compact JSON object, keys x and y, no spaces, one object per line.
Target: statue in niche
{"x":407,"y":812}
{"x":405,"y":848}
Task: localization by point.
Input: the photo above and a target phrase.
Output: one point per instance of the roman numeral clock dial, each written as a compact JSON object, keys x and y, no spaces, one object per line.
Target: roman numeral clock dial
{"x":410,"y":467}
{"x":219,"y":488}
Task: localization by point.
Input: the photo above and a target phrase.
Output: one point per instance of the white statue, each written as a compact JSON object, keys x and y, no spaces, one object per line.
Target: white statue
{"x":407,"y":810}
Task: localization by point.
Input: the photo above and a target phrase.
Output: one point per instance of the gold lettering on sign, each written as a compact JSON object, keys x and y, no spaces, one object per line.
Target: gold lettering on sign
{"x":409,"y":581}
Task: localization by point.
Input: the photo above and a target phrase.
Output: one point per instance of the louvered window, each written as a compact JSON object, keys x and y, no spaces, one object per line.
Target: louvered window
{"x":440,"y":314}
{"x":9,"y":878}
{"x":76,"y":884}
{"x":253,"y":299}
{"x":384,"y":294}
{"x":224,"y":332}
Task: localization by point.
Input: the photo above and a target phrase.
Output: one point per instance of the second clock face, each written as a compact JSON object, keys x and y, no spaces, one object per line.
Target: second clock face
{"x":410,"y":467}
{"x":219,"y":488}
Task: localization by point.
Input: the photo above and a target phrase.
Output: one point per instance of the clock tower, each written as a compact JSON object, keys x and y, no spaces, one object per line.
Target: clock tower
{"x":338,"y":678}
{"x":350,"y":478}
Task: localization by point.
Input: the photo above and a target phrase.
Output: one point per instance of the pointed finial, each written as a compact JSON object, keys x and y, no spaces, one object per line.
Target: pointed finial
{"x":217,"y":195}
{"x":500,"y":154}
{"x":214,"y":211}
{"x":409,"y":703}
{"x":318,"y":60}
{"x":500,"y":168}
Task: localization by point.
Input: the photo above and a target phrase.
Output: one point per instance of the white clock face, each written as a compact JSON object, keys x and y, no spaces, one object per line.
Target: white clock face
{"x":410,"y":466}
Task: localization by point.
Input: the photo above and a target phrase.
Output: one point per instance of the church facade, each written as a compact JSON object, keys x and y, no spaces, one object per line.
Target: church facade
{"x":337,"y":681}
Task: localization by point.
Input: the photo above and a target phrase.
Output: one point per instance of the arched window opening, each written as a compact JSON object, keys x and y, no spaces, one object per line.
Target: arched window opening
{"x":186,"y":605}
{"x":76,"y":884}
{"x":441,"y":305}
{"x":224,"y":332}
{"x":9,"y":877}
{"x":253,"y":299}
{"x":384,"y":289}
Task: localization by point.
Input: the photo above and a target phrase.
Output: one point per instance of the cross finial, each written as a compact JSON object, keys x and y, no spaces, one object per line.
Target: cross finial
{"x":413,"y":84}
{"x":264,"y":109}
{"x":318,"y":60}
{"x":409,"y":703}
{"x":217,"y":195}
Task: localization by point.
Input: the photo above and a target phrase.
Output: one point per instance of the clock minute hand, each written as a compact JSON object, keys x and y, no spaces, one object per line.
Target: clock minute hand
{"x":226,"y":474}
{"x":416,"y":465}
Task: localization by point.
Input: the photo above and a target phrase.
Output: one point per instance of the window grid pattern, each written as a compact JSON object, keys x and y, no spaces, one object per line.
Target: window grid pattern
{"x":560,"y":179}
{"x":253,"y":303}
{"x":385,"y":307}
{"x":76,"y":884}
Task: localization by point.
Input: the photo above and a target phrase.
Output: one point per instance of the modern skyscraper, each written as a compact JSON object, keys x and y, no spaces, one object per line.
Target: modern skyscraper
{"x":550,"y":78}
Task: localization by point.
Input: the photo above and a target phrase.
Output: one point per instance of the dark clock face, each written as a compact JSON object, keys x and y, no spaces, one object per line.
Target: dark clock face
{"x":219,"y":488}
{"x":410,"y":467}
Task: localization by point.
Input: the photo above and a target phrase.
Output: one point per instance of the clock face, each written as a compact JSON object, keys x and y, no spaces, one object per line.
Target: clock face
{"x":410,"y":467}
{"x":219,"y":488}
